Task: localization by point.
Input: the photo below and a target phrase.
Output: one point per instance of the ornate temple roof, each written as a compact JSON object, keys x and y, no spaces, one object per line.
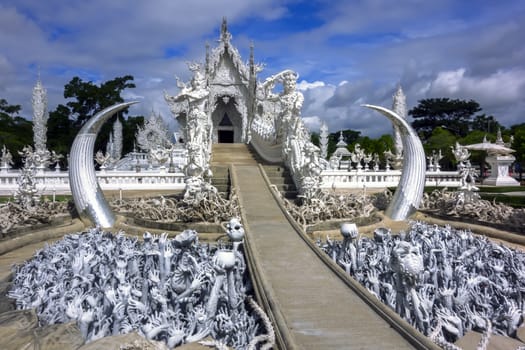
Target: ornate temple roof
{"x":225,"y":48}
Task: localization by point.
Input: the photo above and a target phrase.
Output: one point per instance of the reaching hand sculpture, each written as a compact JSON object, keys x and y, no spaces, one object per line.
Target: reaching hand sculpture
{"x":466,"y":203}
{"x":441,"y":280}
{"x":172,"y":290}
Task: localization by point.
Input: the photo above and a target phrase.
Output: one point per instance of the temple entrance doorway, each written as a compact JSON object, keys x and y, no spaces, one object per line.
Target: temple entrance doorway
{"x":227,"y":122}
{"x":225,"y":132}
{"x":225,"y":136}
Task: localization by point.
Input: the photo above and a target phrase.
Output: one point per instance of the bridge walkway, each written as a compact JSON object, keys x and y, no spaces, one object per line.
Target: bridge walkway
{"x":319,"y":310}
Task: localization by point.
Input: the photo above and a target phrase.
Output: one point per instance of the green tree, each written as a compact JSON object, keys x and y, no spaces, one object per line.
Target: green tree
{"x":518,"y":144}
{"x":380,"y":145}
{"x":129,"y":129}
{"x":90,"y":98}
{"x":60,"y":130}
{"x":86,"y":99}
{"x":314,"y":138}
{"x":431,"y":113}
{"x":442,"y":139}
{"x":15,"y":131}
{"x":489,"y":124}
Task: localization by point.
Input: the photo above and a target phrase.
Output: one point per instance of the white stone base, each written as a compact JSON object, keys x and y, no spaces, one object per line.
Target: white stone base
{"x":501,"y":181}
{"x":500,"y":171}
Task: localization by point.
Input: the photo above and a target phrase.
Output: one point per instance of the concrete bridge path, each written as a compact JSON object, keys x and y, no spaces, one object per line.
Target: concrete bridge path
{"x":320,"y":311}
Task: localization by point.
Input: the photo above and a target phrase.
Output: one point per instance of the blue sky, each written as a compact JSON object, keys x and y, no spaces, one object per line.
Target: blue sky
{"x":346,"y":52}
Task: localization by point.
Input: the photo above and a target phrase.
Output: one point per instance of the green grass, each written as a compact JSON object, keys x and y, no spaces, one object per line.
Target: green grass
{"x":58,"y":198}
{"x":501,"y":189}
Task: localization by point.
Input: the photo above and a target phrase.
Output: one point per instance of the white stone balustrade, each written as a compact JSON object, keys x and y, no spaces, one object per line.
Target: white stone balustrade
{"x":341,"y":179}
{"x":58,"y":182}
{"x":50,"y":182}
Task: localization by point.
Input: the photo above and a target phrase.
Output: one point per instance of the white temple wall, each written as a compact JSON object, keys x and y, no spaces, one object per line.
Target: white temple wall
{"x":49,"y":182}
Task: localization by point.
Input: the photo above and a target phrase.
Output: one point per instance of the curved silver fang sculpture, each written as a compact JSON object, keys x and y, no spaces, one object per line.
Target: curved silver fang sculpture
{"x":409,"y":191}
{"x":87,"y":194}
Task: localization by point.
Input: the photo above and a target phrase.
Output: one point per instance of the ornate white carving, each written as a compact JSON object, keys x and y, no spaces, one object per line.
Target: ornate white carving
{"x":43,"y":157}
{"x":299,"y":154}
{"x":323,"y":140}
{"x":102,"y":159}
{"x":461,"y":154}
{"x":40,"y":116}
{"x":171,"y":290}
{"x":399,"y":106}
{"x":153,"y":134}
{"x":225,"y":49}
{"x":27,"y":194}
{"x":198,"y":130}
{"x":117,"y":140}
{"x":6,"y":159}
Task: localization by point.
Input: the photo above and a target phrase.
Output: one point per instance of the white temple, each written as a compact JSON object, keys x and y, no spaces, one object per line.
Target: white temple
{"x":229,"y":84}
{"x":223,"y":103}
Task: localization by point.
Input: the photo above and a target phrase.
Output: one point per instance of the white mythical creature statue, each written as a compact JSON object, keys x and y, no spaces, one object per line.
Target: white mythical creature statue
{"x":193,"y":97}
{"x":160,"y":155}
{"x":436,"y":158}
{"x":393,"y":160}
{"x":102,"y":159}
{"x":461,"y":154}
{"x":358,"y":156}
{"x":6,"y":159}
{"x":298,"y":153}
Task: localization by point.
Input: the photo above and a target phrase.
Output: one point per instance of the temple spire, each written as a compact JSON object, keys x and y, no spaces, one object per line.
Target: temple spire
{"x":225,"y":34}
{"x":207,"y":64}
{"x":117,"y":139}
{"x":252,"y":59}
{"x":323,"y":140}
{"x":399,"y":106}
{"x":40,"y":116}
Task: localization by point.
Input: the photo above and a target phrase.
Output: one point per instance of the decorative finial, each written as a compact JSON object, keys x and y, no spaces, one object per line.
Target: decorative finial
{"x":499,"y":139}
{"x":207,"y":62}
{"x":225,"y":35}
{"x":224,"y":26}
{"x":252,"y":61}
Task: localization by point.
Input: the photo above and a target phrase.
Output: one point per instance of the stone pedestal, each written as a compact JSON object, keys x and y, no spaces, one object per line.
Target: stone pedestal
{"x":499,"y":175}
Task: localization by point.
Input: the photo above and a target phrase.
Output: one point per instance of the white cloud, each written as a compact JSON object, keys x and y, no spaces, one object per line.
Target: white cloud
{"x":313,"y":123}
{"x":449,"y":81}
{"x":304,"y":85}
{"x":497,"y":88}
{"x":358,"y":53}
